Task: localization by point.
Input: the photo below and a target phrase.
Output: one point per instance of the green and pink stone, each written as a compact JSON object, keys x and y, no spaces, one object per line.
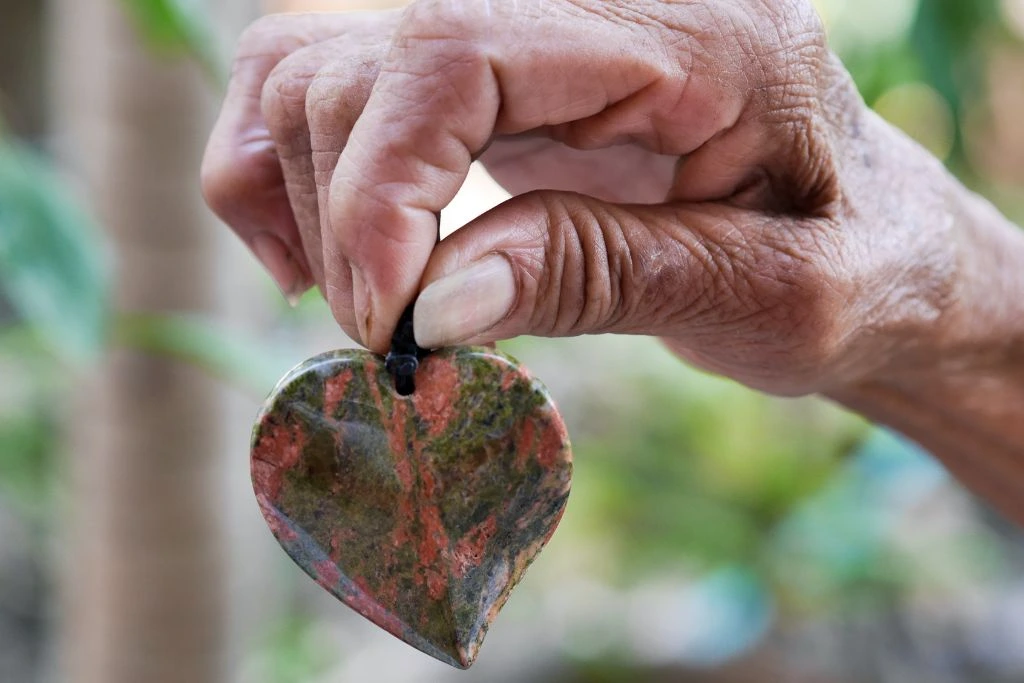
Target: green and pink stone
{"x":419,"y":511}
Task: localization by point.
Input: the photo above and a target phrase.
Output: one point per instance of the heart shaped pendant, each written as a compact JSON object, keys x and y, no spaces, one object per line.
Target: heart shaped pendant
{"x":421,"y":512}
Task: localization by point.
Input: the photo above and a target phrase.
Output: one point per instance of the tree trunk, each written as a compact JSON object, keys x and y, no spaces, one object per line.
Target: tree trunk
{"x":21,"y":59}
{"x":142,"y":593}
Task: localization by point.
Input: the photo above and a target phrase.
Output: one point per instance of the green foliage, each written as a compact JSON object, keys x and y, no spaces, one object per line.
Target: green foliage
{"x":294,"y":653}
{"x":53,"y":275}
{"x":28,"y":442}
{"x":880,"y":68}
{"x":52,"y":267}
{"x":943,"y":47}
{"x":702,"y":470}
{"x":29,"y":421}
{"x":947,"y":37}
{"x":178,"y":27}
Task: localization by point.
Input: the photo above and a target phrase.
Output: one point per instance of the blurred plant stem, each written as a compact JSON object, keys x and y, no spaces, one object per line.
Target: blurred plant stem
{"x":239,"y":362}
{"x":143,"y":576}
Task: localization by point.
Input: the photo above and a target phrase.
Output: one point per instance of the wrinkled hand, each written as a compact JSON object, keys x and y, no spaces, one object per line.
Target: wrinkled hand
{"x":700,"y":171}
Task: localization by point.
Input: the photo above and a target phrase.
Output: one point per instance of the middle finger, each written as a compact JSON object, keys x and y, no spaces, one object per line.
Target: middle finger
{"x":314,"y":95}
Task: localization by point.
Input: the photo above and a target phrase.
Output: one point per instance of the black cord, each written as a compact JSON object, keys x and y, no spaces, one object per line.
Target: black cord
{"x":405,"y":355}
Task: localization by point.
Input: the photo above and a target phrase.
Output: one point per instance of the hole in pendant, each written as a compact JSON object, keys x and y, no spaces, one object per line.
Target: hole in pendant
{"x":403,"y":368}
{"x":404,"y":385}
{"x":404,"y":357}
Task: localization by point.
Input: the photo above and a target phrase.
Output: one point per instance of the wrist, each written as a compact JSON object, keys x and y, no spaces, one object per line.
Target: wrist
{"x":960,"y":309}
{"x":938,"y":343}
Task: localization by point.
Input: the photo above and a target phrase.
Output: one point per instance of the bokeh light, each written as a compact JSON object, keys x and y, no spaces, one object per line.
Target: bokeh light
{"x":921,"y":112}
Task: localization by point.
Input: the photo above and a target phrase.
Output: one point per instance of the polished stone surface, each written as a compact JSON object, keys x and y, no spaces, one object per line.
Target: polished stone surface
{"x":421,"y":512}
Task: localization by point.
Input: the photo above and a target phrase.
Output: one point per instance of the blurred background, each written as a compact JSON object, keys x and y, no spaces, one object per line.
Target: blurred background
{"x":713,"y":535}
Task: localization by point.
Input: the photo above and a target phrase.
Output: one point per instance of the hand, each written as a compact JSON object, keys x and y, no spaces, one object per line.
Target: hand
{"x":702,"y":172}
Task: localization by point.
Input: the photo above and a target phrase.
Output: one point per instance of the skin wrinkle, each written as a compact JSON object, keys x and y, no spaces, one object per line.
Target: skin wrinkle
{"x":582,"y":232}
{"x":587,"y":134}
{"x":656,"y":266}
{"x":659,"y":267}
{"x":795,"y":306}
{"x":578,"y":298}
{"x":640,"y":259}
{"x":704,"y":274}
{"x":283,"y":99}
{"x":325,"y":106}
{"x":620,"y":264}
{"x":571,"y":300}
{"x":550,"y":269}
{"x":579,"y":133}
{"x":606,"y":256}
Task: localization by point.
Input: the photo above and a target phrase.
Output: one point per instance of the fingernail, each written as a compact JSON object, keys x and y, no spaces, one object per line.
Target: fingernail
{"x":363,"y":306}
{"x":278,"y":261}
{"x":465,"y":304}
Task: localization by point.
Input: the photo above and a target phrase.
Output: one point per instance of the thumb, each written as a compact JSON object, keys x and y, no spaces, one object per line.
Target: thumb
{"x":561,"y":264}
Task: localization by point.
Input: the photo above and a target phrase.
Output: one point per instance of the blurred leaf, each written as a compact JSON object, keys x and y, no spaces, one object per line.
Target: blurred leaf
{"x":51,"y":264}
{"x":236,"y":360}
{"x":24,"y":344}
{"x":946,"y":37}
{"x":297,"y":652}
{"x":29,"y":411}
{"x":28,"y":443}
{"x":178,"y":27}
{"x":699,"y":486}
{"x":880,"y":69}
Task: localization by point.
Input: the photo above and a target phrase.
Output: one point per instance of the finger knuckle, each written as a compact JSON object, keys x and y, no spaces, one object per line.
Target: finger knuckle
{"x":333,"y":100}
{"x":457,"y":31}
{"x":283,"y":96}
{"x":576,"y":263}
{"x":446,"y":19}
{"x":777,"y":41}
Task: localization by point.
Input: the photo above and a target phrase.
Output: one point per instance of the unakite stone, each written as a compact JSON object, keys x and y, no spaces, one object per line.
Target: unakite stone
{"x":420,"y":512}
